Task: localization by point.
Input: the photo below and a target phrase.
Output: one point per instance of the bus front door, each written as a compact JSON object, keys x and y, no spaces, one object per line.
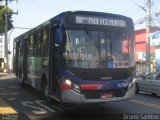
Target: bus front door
{"x":54,"y":66}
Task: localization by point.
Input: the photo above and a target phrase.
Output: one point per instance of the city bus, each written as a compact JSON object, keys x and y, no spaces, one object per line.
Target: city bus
{"x":78,"y":57}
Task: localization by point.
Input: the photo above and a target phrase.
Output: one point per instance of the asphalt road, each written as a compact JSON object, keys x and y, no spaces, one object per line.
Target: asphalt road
{"x":29,"y":102}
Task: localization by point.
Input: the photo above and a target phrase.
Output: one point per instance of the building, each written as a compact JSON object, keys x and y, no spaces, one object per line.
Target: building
{"x":1,"y":52}
{"x":140,"y":44}
{"x":2,"y":55}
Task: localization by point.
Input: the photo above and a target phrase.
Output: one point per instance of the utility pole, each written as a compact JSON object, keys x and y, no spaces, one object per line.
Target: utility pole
{"x":6,"y":38}
{"x":148,"y":22}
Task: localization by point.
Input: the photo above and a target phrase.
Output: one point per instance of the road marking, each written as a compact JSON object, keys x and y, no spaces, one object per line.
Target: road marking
{"x":145,"y":103}
{"x":30,"y":104}
{"x":39,"y":102}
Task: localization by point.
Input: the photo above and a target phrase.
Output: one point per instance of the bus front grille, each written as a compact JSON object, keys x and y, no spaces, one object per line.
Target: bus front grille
{"x":98,"y":93}
{"x":99,"y":74}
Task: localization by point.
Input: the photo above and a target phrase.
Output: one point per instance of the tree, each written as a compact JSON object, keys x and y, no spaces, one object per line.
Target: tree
{"x":2,"y":18}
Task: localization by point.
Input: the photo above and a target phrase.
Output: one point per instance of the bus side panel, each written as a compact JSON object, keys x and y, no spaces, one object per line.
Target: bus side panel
{"x":37,"y":68}
{"x":25,"y":59}
{"x":31,"y":71}
{"x":37,"y":58}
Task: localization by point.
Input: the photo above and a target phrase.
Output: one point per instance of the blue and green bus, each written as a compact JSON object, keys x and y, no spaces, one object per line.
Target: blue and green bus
{"x":78,"y":57}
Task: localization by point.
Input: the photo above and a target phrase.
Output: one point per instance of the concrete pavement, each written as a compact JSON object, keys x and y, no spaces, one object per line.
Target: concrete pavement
{"x":3,"y":74}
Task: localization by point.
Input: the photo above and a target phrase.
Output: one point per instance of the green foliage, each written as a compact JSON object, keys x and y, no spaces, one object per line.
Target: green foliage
{"x":2,"y":19}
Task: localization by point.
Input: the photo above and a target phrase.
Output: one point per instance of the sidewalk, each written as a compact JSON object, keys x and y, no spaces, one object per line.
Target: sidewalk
{"x":3,"y":74}
{"x":4,"y":107}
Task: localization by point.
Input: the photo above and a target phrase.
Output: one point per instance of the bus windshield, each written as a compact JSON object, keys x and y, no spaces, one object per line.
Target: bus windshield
{"x":98,"y":49}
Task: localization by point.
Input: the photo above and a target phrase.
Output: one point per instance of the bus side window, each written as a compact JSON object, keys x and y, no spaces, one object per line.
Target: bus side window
{"x":31,"y":45}
{"x":44,"y":42}
{"x":20,"y":48}
{"x":28,"y":42}
{"x":35,"y":44}
{"x":38,"y":43}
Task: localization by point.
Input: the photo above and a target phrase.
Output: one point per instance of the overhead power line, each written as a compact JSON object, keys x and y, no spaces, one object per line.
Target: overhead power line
{"x":140,"y":21}
{"x":143,"y":8}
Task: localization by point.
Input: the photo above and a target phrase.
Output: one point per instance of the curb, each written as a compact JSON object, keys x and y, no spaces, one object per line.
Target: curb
{"x":6,"y":109}
{"x":3,"y":74}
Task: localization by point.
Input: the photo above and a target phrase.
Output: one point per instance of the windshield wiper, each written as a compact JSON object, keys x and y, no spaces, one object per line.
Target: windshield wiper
{"x":108,"y":45}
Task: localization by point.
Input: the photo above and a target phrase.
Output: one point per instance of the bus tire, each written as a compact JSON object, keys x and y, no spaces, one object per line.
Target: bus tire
{"x":44,"y":86}
{"x":20,"y":78}
{"x":44,"y":90}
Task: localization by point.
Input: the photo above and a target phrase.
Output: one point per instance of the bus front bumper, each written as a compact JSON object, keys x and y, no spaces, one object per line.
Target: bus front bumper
{"x":71,"y":96}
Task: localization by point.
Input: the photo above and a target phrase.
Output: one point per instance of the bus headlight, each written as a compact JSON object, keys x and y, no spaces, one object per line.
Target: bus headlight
{"x":72,"y":85}
{"x":68,"y":82}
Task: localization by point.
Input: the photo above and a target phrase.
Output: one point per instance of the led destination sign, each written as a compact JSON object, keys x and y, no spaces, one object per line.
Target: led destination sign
{"x":103,"y":21}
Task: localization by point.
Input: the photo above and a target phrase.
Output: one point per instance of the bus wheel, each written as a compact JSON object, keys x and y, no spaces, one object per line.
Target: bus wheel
{"x":20,"y":78}
{"x":44,"y":87}
{"x":44,"y":90}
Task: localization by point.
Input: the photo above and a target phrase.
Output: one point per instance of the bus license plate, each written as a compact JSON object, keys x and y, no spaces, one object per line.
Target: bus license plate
{"x":106,"y":96}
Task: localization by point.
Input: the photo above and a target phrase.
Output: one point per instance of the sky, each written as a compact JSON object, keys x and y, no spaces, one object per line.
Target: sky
{"x":31,"y":13}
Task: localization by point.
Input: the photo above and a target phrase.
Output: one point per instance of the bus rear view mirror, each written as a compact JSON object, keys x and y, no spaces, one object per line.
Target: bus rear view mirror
{"x":56,"y":24}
